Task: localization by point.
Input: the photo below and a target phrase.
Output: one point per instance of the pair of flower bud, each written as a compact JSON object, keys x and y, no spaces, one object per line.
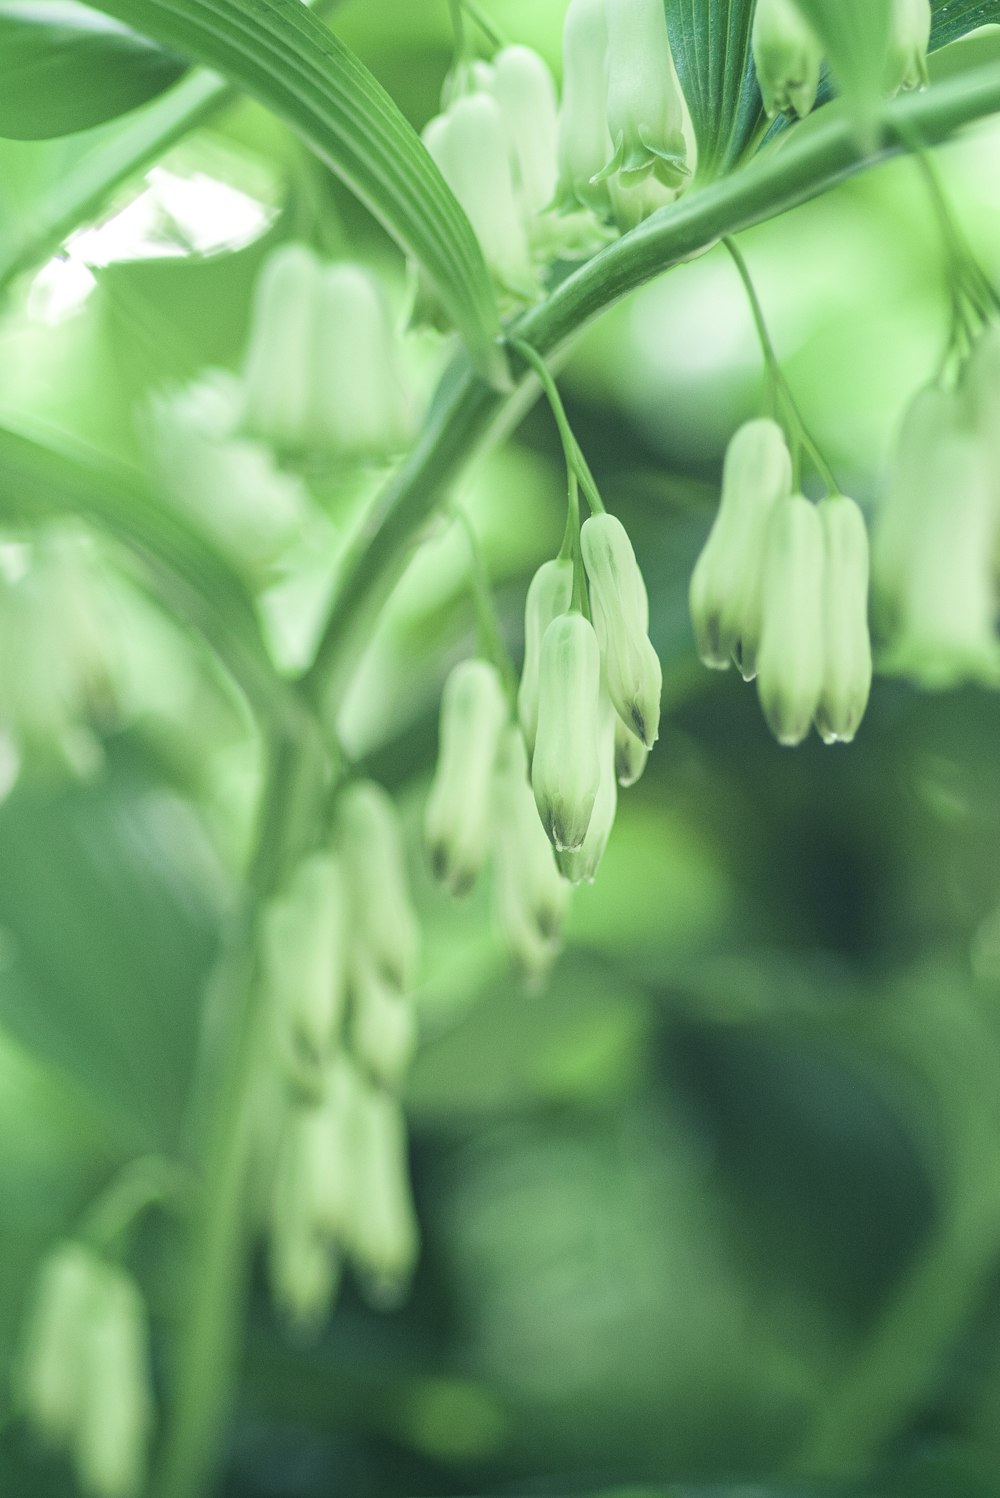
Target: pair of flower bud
{"x":340,"y":1190}
{"x":626,"y":144}
{"x":340,"y":946}
{"x":481,"y":802}
{"x":781,"y":588}
{"x":882,"y":43}
{"x":589,"y":699}
{"x":84,"y":1379}
{"x":936,"y":538}
{"x":323,"y":371}
{"x":494,"y":145}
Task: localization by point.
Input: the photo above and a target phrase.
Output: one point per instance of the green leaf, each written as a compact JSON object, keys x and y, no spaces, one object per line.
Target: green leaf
{"x":189,"y":578}
{"x":712,"y":53}
{"x":108,"y":939}
{"x":282,"y":55}
{"x":65,"y":69}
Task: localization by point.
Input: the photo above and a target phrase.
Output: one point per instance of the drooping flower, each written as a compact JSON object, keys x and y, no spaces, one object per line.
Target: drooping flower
{"x":580,"y":865}
{"x":550,"y":593}
{"x":531,"y":896}
{"x":111,"y":1439}
{"x":847,"y":665}
{"x":791,"y":658}
{"x":457,"y":822}
{"x":565,"y":768}
{"x":620,"y":608}
{"x":369,"y":839}
{"x":725,"y":590}
{"x":305,"y":942}
{"x":647,"y":112}
{"x":584,"y":141}
{"x":787,"y":55}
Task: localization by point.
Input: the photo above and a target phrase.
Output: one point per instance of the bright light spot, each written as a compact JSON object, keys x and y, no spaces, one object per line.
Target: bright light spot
{"x":60,"y":288}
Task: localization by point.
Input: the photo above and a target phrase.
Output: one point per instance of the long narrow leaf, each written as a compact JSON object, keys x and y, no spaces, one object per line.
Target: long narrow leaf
{"x":277,"y":51}
{"x":64,"y":69}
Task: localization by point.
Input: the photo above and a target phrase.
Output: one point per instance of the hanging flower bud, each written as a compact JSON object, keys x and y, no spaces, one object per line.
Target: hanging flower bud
{"x":787,"y":55}
{"x":116,"y":1415}
{"x":584,"y":144}
{"x":371,"y":842}
{"x":726,"y":582}
{"x":932,"y":419}
{"x":52,"y":1371}
{"x":358,"y":405}
{"x":947,"y":601}
{"x":791,"y":658}
{"x":909,"y":36}
{"x":306,"y":938}
{"x":550,"y":594}
{"x":531,"y":896}
{"x":579,"y":865}
{"x":457,"y":823}
{"x":384,"y":1235}
{"x":982,"y":401}
{"x":647,"y":111}
{"x":469,"y":145}
{"x":621,"y":618}
{"x":565,"y":769}
{"x":522,"y":86}
{"x":279,"y":374}
{"x":631,"y":754}
{"x":383,"y":1024}
{"x":312,"y":1201}
{"x":847,"y":667}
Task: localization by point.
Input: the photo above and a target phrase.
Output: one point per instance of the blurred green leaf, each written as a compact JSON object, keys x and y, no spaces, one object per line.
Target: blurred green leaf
{"x":109,"y":931}
{"x":65,"y":69}
{"x":287,"y":59}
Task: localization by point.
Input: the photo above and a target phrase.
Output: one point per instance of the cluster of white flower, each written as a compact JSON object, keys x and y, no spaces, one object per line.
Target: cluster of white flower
{"x":84,"y":1379}
{"x":541,"y":182}
{"x":588,"y":709}
{"x":781,"y":589}
{"x":339,"y":955}
{"x":788,"y":53}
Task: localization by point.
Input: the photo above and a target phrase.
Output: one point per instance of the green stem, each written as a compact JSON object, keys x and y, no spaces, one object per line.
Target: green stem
{"x":491,"y":635}
{"x":798,"y":431}
{"x":573,"y":453}
{"x":492,"y":34}
{"x":208,"y":1351}
{"x":150,"y":1181}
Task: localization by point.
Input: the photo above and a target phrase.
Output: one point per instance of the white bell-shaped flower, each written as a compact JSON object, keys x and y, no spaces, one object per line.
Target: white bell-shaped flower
{"x":531,"y":896}
{"x":580,"y":865}
{"x":565,"y":767}
{"x":457,"y":822}
{"x":550,"y":594}
{"x":584,"y":142}
{"x":847,"y":666}
{"x":110,"y":1448}
{"x":648,"y":117}
{"x":620,"y":608}
{"x":370,"y":841}
{"x":725,"y":589}
{"x":791,"y":659}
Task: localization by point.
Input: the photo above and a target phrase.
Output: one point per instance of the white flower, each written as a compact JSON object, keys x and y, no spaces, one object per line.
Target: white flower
{"x":565,"y":768}
{"x":791,"y":658}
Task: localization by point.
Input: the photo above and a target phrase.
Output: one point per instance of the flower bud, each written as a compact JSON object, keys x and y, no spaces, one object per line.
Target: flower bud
{"x":631,"y":754}
{"x":305,"y":941}
{"x":791,"y":658}
{"x":470,"y":147}
{"x":371,"y":843}
{"x":621,"y":618}
{"x":278,"y":373}
{"x":384,"y":1236}
{"x":909,"y":36}
{"x":311,"y":1194}
{"x":726,"y":582}
{"x":647,"y":110}
{"x":116,"y":1415}
{"x":52,"y":1372}
{"x":787,"y":55}
{"x":550,"y":594}
{"x":565,"y":769}
{"x":584,"y":144}
{"x":357,"y":399}
{"x":847,"y":666}
{"x":932,"y":419}
{"x":579,"y":865}
{"x":457,"y":823}
{"x":531,"y":896}
{"x":982,"y":401}
{"x":383,"y":1024}
{"x":948,"y":600}
{"x":522,"y":86}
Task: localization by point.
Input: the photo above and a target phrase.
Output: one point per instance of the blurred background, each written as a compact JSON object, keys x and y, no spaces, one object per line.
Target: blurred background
{"x":718,"y":1211}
